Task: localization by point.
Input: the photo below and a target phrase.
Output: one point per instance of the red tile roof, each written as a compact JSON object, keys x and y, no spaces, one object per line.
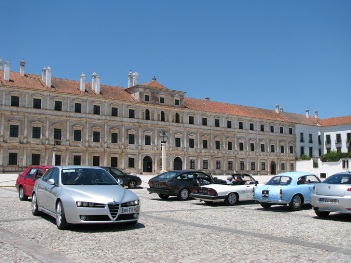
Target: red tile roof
{"x":346,"y":120}
{"x":155,"y":84}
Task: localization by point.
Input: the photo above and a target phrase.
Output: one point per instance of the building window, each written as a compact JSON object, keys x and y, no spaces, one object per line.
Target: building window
{"x":35,"y":159}
{"x":338,"y":149}
{"x":205,"y":164}
{"x":36,"y":103}
{"x":146,"y":98}
{"x":241,"y":125}
{"x":272,"y":128}
{"x":131,"y":138}
{"x":147,"y":115}
{"x":192,"y":164}
{"x":262,"y":128}
{"x":12,"y":158}
{"x":310,"y":138}
{"x":262,"y":148}
{"x":291,"y":149}
{"x":251,"y":126}
{"x":328,"y":140}
{"x":218,"y":164}
{"x":114,"y":112}
{"x":282,"y":149}
{"x":230,"y":146}
{"x":191,"y":119}
{"x":77,"y":160}
{"x":96,"y":160}
{"x":301,"y":137}
{"x":263,"y":166}
{"x":77,"y":135}
{"x":345,"y":164}
{"x":57,"y":159}
{"x":177,"y":118}
{"x":218,"y":145}
{"x":162,"y":100}
{"x":241,"y":165}
{"x":13,"y":130}
{"x":114,"y":137}
{"x":15,"y":101}
{"x":252,"y":146}
{"x":204,"y":121}
{"x":229,"y":124}
{"x":114,"y":161}
{"x":96,"y":136}
{"x":176,"y":102}
{"x":292,"y":167}
{"x":319,"y":140}
{"x":130,"y":162}
{"x":36,"y":132}
{"x":302,"y":150}
{"x":272,"y":148}
{"x":177,"y":142}
{"x":328,"y":150}
{"x":282,"y":166}
{"x":338,"y":138}
{"x":230,"y":165}
{"x":78,"y":107}
{"x":348,"y":137}
{"x":216,"y":122}
{"x":290,"y":130}
{"x":253,"y":166}
{"x":131,"y":113}
{"x":163,"y":116}
{"x":204,"y":144}
{"x":97,"y":109}
{"x":241,"y":146}
{"x":57,"y":134}
{"x":310,"y":151}
{"x":147,"y":140}
{"x":191,"y":143}
{"x":58,"y":105}
{"x":281,"y":129}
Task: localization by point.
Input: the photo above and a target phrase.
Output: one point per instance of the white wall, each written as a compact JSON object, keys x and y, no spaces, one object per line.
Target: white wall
{"x":329,"y":168}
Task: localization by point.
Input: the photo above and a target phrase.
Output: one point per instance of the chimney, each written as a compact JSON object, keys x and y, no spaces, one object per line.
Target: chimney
{"x":43,"y":74}
{"x":316,"y":114}
{"x":207,"y":98}
{"x":82,"y":82}
{"x":7,"y":71}
{"x":97,"y":88}
{"x":93,"y":81}
{"x":281,"y":109}
{"x":135,"y":78}
{"x":277,"y":108}
{"x":48,"y":77}
{"x":22,"y":64}
{"x":307,"y":113}
{"x":130,"y":79}
{"x":0,"y":64}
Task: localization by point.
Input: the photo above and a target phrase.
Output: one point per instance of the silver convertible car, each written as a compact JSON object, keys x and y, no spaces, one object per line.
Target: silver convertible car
{"x":333,"y":195}
{"x":83,"y":195}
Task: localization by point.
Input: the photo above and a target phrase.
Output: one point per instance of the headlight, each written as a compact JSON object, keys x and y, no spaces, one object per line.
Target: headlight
{"x":88,"y":204}
{"x":131,"y":203}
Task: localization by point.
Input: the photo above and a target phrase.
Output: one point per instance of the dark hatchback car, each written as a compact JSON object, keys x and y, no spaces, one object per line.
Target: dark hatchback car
{"x":179,"y":183}
{"x":129,"y":180}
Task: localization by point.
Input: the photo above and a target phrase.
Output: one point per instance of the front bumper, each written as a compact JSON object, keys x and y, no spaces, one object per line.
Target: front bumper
{"x":208,"y":197}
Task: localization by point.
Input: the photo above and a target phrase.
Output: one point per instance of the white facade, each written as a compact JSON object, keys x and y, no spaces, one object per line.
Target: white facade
{"x":323,"y":169}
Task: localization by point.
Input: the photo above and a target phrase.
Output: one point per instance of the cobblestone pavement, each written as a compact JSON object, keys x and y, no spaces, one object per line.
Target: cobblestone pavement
{"x":177,"y":231}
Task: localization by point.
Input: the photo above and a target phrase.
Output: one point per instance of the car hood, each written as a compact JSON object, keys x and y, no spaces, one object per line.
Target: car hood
{"x":100,"y":193}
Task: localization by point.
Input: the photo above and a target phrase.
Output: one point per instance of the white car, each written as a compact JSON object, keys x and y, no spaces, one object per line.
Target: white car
{"x":230,"y":193}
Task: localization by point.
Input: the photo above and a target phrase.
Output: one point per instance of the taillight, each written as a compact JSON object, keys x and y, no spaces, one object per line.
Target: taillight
{"x":194,"y":191}
{"x":164,"y":185}
{"x":150,"y":183}
{"x":348,"y":189}
{"x":211,"y":192}
{"x":281,"y":193}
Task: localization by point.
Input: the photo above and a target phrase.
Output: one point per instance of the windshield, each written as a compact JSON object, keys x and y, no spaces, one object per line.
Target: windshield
{"x":338,"y":179}
{"x":86,"y":176}
{"x":167,"y":175}
{"x":279,"y":180}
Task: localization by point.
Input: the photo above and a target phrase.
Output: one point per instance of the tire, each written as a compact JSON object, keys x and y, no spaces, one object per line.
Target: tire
{"x":61,"y":222}
{"x":232,"y":199}
{"x":322,"y":214}
{"x":265,"y":205}
{"x":34,"y":206}
{"x":132,"y":184}
{"x":183,"y":194}
{"x":21,"y":194}
{"x":296,"y":203}
{"x":163,"y":196}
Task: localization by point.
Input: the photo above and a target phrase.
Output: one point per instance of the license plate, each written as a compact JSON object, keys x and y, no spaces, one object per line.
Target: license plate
{"x":265,"y":193}
{"x":329,"y":201}
{"x":202,"y":191}
{"x":130,"y":210}
{"x":156,"y":185}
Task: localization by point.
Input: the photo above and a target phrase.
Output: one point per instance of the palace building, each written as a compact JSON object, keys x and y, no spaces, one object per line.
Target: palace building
{"x":48,"y":120}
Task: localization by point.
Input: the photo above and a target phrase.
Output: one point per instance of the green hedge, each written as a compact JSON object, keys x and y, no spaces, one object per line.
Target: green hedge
{"x":334,"y":156}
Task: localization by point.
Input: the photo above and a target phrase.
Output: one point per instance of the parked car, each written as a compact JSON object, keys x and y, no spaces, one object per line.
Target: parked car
{"x":83,"y":195}
{"x":231,"y":193}
{"x":129,"y":180}
{"x":333,"y":195}
{"x":290,"y":188}
{"x":26,"y":180}
{"x":178,"y":183}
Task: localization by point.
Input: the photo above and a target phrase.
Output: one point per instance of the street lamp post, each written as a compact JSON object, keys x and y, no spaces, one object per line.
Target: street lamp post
{"x":163,"y":147}
{"x":53,"y":155}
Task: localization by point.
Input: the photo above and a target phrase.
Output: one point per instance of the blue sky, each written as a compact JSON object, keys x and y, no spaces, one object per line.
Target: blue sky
{"x":295,"y":53}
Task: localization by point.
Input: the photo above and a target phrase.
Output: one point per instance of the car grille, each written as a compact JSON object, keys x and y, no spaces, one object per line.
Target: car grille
{"x":113,"y":208}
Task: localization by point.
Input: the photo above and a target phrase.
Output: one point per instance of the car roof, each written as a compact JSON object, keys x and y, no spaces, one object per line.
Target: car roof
{"x":78,"y":166}
{"x":295,"y":174}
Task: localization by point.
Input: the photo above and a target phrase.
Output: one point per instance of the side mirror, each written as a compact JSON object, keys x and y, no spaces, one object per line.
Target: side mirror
{"x":51,"y":181}
{"x":120,"y":181}
{"x":256,"y":183}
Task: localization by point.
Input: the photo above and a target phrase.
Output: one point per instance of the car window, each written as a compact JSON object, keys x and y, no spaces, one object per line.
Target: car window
{"x":86,"y":176}
{"x":338,"y":179}
{"x":31,"y":173}
{"x":167,"y":175}
{"x":116,"y":172}
{"x":47,"y":175}
{"x":312,"y":179}
{"x":55,"y":175}
{"x":279,"y":180}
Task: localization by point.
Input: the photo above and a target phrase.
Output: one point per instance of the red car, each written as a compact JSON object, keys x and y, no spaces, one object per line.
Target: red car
{"x":26,"y":180}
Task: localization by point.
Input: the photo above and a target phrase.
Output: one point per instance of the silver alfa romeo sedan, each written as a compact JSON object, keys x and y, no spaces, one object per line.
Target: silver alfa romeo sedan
{"x":83,"y":195}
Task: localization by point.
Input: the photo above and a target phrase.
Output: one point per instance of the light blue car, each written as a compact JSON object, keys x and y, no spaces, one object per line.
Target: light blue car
{"x":290,"y":188}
